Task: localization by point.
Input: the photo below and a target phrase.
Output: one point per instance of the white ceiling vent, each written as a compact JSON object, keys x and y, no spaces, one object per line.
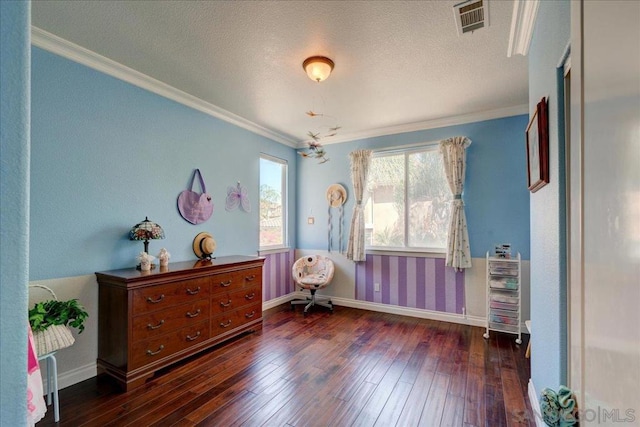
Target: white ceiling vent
{"x":471,"y":15}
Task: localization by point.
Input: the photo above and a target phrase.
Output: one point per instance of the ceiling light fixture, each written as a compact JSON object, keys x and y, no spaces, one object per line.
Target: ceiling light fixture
{"x":318,"y":68}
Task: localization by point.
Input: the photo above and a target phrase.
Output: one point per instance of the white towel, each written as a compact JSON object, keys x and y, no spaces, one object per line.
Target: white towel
{"x":36,"y":407}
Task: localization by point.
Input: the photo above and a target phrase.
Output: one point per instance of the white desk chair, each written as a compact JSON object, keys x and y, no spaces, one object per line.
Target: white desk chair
{"x":312,"y":272}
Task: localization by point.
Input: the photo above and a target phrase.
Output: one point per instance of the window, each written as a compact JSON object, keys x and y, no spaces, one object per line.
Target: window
{"x":408,"y":200}
{"x":273,"y":202}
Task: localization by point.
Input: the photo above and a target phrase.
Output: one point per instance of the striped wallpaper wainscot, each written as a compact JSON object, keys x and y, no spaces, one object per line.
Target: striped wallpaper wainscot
{"x":276,"y":275}
{"x":414,"y":282}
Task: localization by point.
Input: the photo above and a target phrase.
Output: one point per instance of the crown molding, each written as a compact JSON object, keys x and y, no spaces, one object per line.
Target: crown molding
{"x":523,"y":20}
{"x":47,"y":41}
{"x":428,"y":124}
{"x":59,"y":46}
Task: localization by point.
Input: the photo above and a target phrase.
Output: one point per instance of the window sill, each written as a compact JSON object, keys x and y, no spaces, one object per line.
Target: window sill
{"x":406,"y":252}
{"x":269,"y":251}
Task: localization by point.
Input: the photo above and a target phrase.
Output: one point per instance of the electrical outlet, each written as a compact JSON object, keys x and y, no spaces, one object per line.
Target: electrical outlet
{"x":376,"y":287}
{"x":311,"y":220}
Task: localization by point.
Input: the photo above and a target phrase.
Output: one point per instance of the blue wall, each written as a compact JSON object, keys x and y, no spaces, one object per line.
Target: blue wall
{"x":495,"y":194}
{"x":105,"y":154}
{"x":15,"y":20}
{"x":548,"y":274}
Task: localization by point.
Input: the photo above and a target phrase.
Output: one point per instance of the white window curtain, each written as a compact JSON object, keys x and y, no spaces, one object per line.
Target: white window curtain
{"x":360,"y":162}
{"x":454,"y":155}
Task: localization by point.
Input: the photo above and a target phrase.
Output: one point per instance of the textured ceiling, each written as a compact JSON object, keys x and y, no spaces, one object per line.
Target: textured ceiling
{"x":396,"y":62}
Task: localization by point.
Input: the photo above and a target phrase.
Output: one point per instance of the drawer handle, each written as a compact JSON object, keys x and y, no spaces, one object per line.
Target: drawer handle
{"x":195,"y":291}
{"x":190,"y":314}
{"x":225,"y":284}
{"x":250,"y":278}
{"x":250,"y":315}
{"x":153,"y":353}
{"x":155,"y":301}
{"x":250,"y":297}
{"x":225,"y":305}
{"x":225,"y":325}
{"x":195,"y":337}
{"x":150,"y":326}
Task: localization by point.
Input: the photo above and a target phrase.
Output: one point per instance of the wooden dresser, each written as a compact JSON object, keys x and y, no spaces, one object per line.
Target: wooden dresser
{"x":148,"y":320}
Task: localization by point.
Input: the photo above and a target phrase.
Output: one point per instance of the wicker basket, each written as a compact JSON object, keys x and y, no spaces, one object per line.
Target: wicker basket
{"x":55,"y":337}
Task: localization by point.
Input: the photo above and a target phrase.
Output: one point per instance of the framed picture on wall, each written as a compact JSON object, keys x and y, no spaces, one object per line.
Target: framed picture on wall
{"x":538,"y":148}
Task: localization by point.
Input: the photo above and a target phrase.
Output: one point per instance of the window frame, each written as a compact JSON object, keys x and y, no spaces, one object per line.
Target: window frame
{"x":284,"y":187}
{"x":406,"y":150}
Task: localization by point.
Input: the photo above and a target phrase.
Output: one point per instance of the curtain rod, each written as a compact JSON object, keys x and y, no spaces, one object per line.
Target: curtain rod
{"x":405,"y":147}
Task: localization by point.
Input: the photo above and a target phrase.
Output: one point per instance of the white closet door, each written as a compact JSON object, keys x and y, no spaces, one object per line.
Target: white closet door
{"x":605,"y":211}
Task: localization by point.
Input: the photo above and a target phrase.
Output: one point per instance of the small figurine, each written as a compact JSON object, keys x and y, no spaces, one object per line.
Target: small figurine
{"x":145,"y":261}
{"x":164,"y":257}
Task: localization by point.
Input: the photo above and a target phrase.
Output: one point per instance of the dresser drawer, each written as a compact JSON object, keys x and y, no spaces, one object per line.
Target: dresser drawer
{"x":233,"y":319}
{"x":159,"y":297}
{"x":160,"y":322}
{"x":147,"y":351}
{"x":224,"y":282}
{"x":235,"y":280}
{"x":249,"y":277}
{"x":228,"y":301}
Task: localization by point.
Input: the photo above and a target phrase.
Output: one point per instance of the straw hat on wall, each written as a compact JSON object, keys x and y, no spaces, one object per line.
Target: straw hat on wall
{"x":336,"y":195}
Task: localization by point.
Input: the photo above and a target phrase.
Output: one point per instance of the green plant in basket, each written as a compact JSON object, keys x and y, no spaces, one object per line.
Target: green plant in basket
{"x":52,"y":312}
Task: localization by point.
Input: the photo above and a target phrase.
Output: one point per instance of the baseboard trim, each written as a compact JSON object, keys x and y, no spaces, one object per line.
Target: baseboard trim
{"x":462,"y":319}
{"x":74,"y":376}
{"x":411,"y":312}
{"x":266,"y":305}
{"x":535,"y":405}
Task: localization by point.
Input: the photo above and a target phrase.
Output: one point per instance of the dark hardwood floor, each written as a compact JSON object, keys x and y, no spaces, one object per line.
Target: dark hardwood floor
{"x":349,"y":368}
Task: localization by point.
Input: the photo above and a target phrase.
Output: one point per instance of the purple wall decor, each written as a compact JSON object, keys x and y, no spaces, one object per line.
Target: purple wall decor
{"x":276,"y":275}
{"x":414,"y":282}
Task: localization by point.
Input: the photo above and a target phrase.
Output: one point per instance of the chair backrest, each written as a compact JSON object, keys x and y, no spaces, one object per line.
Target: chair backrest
{"x":313,"y":264}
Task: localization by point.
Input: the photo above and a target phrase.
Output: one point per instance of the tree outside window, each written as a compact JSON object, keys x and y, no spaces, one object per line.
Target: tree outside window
{"x":273,"y":202}
{"x":408,"y":203}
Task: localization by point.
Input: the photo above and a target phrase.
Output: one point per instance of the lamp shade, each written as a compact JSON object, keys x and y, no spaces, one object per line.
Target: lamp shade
{"x":146,"y":230}
{"x":318,"y":68}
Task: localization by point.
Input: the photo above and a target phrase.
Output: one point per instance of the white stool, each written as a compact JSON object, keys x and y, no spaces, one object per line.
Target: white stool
{"x":52,"y":382}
